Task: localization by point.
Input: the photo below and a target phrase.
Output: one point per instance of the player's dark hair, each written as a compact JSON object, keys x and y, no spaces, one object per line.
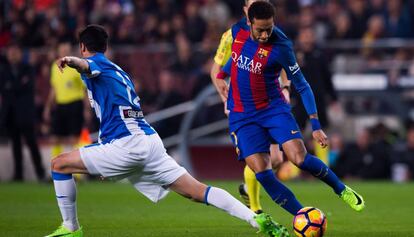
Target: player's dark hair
{"x":261,"y":10}
{"x":95,"y":38}
{"x":247,"y":1}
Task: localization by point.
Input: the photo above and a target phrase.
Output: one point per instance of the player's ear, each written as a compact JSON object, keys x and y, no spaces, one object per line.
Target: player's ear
{"x":82,"y":47}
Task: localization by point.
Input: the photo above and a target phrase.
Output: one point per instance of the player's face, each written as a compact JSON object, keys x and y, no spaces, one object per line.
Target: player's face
{"x":261,"y":29}
{"x":64,"y":49}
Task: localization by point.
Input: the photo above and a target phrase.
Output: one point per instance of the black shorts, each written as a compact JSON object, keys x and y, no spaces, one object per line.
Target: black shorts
{"x":68,"y":119}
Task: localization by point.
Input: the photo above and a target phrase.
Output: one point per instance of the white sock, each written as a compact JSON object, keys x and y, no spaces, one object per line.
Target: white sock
{"x":66,"y":198}
{"x":226,"y":202}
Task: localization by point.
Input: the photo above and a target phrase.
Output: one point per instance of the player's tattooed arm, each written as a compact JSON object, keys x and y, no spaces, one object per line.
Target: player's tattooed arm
{"x":81,"y":65}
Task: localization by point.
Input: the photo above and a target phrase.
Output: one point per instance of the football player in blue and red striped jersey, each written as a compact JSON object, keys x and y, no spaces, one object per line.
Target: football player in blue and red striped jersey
{"x":250,"y":190}
{"x":259,"y":112}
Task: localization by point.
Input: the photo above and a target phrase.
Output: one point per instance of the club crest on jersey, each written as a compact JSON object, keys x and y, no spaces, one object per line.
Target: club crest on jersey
{"x":263,"y":53}
{"x":246,"y":63}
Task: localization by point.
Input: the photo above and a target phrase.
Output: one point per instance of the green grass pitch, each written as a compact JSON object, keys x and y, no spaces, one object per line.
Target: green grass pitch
{"x":113,"y":209}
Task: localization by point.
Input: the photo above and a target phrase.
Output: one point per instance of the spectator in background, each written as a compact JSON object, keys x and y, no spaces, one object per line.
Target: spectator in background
{"x":350,"y":160}
{"x":336,"y":147}
{"x":359,"y":14}
{"x":18,"y":109}
{"x":66,"y":101}
{"x":185,"y":62}
{"x":195,"y":27}
{"x":165,"y":33}
{"x":398,"y":20}
{"x":367,"y":158}
{"x":165,"y":9}
{"x":216,"y":11}
{"x":315,"y":67}
{"x":168,"y":96}
{"x":375,"y":31}
{"x":377,"y":6}
{"x":404,"y":157}
{"x":127,"y":30}
{"x":340,"y":28}
{"x":332,"y":10}
{"x":307,"y":19}
{"x":379,"y":166}
{"x":177,"y":23}
{"x":149,"y":29}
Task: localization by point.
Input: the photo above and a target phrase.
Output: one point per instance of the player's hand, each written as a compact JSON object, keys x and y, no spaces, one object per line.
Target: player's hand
{"x":226,"y":111}
{"x":62,"y":62}
{"x":320,"y":137}
{"x":81,"y":65}
{"x":222,"y":88}
{"x":286,"y":94}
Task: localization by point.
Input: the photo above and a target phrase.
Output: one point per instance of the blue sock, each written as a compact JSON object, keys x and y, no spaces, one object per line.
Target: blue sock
{"x":321,"y":171}
{"x":278,"y":192}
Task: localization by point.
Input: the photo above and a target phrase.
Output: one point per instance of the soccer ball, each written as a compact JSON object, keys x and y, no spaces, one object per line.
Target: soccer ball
{"x":309,"y":222}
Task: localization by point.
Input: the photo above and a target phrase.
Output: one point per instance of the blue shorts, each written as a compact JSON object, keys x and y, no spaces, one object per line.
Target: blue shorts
{"x":254,"y":135}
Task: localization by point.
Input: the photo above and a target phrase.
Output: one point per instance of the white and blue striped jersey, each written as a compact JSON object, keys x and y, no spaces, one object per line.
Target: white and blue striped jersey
{"x":112,"y":95}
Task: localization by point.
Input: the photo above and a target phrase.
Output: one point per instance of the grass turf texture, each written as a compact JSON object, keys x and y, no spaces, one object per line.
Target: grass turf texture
{"x":113,"y":209}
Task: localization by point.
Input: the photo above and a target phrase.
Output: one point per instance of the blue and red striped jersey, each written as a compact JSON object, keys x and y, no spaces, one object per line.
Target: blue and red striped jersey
{"x":255,"y":67}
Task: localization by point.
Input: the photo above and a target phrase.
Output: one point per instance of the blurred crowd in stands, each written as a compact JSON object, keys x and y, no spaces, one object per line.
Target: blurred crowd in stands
{"x":168,"y":46}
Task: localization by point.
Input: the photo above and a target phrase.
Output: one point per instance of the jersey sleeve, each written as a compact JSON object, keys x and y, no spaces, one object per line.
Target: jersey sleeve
{"x":225,"y":70}
{"x":288,"y":61}
{"x":94,"y":68}
{"x":224,"y":49}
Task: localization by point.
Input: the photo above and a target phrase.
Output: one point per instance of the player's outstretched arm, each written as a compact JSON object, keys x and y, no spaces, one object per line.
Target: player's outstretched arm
{"x":81,"y":65}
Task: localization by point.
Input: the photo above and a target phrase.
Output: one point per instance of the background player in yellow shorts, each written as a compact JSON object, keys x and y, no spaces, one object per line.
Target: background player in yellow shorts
{"x":64,"y":110}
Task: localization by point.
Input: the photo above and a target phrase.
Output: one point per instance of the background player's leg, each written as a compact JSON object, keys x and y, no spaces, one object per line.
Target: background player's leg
{"x":62,"y":168}
{"x":279,"y":193}
{"x":276,"y":156}
{"x":296,"y":152}
{"x":191,"y":188}
{"x":30,"y":138}
{"x":17,"y":153}
{"x":253,"y":189}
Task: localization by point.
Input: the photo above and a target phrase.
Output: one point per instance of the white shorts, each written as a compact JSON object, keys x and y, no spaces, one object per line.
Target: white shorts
{"x":142,"y":159}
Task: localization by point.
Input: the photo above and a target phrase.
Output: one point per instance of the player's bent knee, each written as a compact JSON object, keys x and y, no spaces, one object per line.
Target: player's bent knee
{"x":297,"y":157}
{"x":58,"y":164}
